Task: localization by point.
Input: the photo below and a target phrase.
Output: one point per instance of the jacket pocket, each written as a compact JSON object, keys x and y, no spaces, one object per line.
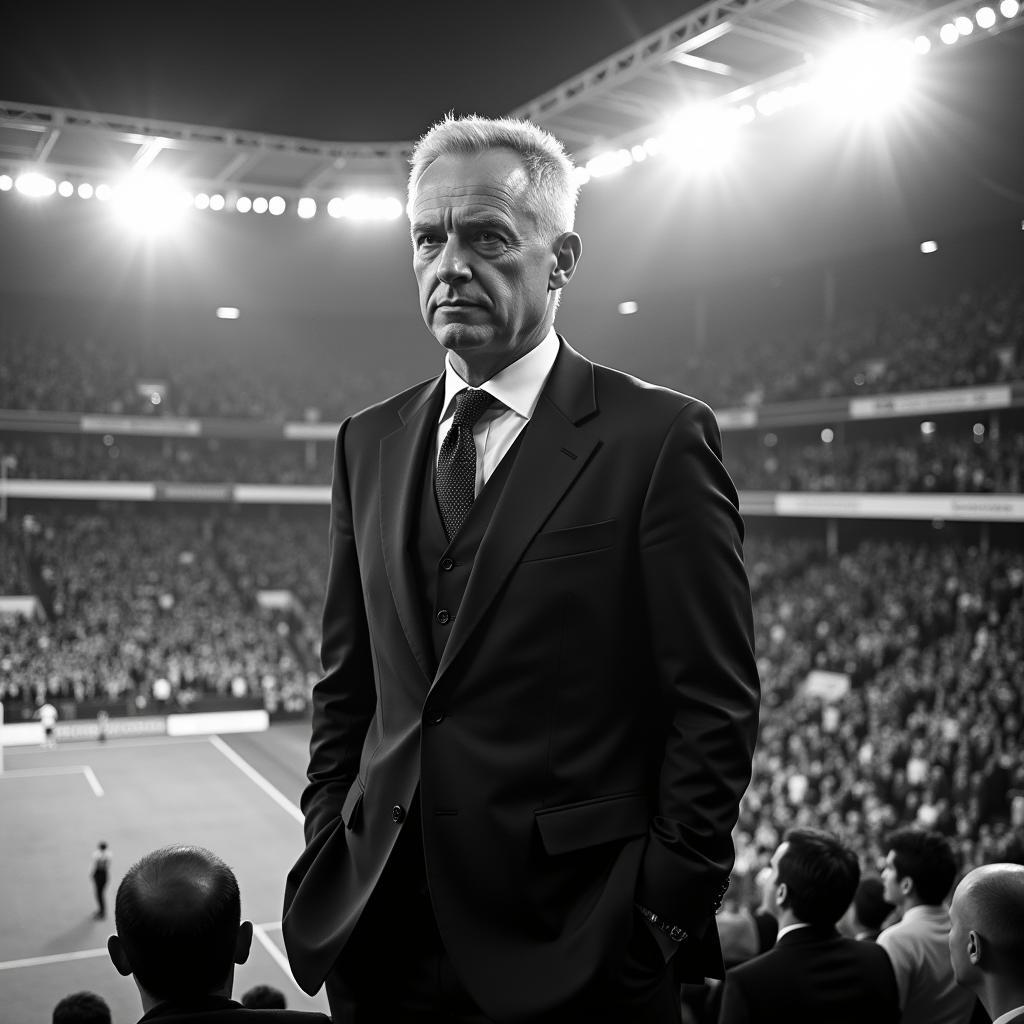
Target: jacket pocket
{"x":577,"y":540}
{"x":352,"y":807}
{"x":590,"y":822}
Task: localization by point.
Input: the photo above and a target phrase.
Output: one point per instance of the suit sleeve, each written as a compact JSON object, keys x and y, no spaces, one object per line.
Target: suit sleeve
{"x":734,"y":1006}
{"x":344,"y":699}
{"x":701,"y":636}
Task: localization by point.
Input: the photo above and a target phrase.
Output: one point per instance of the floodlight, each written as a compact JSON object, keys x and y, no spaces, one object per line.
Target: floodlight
{"x":948,"y":33}
{"x":638,"y":153}
{"x":260,"y":204}
{"x":85,"y":190}
{"x":868,"y":76}
{"x":6,"y":183}
{"x":35,"y":185}
{"x":65,"y":189}
{"x":580,"y":176}
{"x":769,"y":103}
{"x":365,"y":207}
{"x":228,"y":312}
{"x":306,"y":208}
{"x":828,"y":435}
{"x":217,"y":202}
{"x":608,"y":162}
{"x":930,"y":246}
{"x":702,"y":136}
{"x":745,"y":114}
{"x":978,"y":430}
{"x":202,"y":201}
{"x":1009,"y":8}
{"x":150,"y":204}
{"x":628,"y":308}
{"x":985,"y":17}
{"x":964,"y":25}
{"x":103,"y":192}
{"x":276,"y":206}
{"x":243,"y":204}
{"x":928,"y":427}
{"x":922,"y":44}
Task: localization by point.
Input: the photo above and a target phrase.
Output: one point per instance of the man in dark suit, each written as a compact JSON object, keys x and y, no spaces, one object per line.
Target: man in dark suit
{"x":813,"y":974}
{"x":540,"y":699}
{"x":180,"y":933}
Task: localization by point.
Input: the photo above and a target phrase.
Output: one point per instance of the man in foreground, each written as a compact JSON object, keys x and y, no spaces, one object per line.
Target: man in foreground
{"x":813,"y":974}
{"x":180,"y":933}
{"x":539,"y":698}
{"x":986,"y":939}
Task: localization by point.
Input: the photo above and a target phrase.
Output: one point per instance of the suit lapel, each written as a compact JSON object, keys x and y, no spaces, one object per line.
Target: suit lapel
{"x":556,"y":446}
{"x":402,"y":457}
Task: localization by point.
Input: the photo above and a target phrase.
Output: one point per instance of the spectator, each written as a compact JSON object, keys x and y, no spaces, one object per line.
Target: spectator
{"x":986,"y":939}
{"x":868,"y":911}
{"x":180,"y":933}
{"x":813,"y":974}
{"x":264,"y":997}
{"x":100,"y":874}
{"x":82,"y":1008}
{"x":919,"y":871}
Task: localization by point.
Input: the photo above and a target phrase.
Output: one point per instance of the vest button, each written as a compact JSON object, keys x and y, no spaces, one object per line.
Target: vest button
{"x":435,"y":716}
{"x":444,"y":617}
{"x":447,"y":564}
{"x":398,"y":814}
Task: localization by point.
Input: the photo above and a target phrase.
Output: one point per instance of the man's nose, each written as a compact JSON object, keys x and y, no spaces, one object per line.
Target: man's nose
{"x":452,"y":264}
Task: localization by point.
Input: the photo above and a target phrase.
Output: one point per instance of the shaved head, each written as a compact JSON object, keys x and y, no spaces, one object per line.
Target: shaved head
{"x":990,"y":901}
{"x":177,"y":914}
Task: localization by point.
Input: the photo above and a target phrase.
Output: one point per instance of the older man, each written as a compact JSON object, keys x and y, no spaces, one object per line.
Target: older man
{"x":986,"y":939}
{"x":539,"y":697}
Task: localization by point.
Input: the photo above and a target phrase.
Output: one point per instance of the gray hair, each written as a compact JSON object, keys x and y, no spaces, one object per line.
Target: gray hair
{"x":549,"y":170}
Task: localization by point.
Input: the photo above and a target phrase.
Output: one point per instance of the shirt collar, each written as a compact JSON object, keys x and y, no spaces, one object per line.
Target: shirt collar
{"x":923,"y":910}
{"x":1015,"y":1014}
{"x":791,"y":928}
{"x":517,"y":387}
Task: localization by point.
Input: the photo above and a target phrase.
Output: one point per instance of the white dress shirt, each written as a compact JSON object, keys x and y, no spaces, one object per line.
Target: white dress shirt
{"x":1017,"y":1013}
{"x":517,"y":388}
{"x":791,"y":928}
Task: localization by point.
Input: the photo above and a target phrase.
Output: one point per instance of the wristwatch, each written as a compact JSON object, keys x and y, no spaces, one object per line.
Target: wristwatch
{"x":673,"y":931}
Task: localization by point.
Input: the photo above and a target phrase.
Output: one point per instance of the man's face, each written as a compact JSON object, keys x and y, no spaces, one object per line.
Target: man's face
{"x":890,"y":881}
{"x":482,"y":263}
{"x":773,"y":880}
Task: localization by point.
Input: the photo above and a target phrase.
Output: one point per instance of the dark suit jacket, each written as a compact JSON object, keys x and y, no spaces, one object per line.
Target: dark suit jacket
{"x":588,"y":733}
{"x":813,"y":976}
{"x":218,"y":1010}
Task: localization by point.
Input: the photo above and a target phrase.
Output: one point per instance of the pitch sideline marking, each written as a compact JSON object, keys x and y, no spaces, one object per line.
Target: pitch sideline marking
{"x":268,"y":787}
{"x":71,"y":769}
{"x":259,"y":930}
{"x":74,"y":746}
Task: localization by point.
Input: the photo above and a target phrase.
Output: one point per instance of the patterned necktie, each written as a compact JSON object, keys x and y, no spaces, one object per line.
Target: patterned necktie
{"x":455,"y":482}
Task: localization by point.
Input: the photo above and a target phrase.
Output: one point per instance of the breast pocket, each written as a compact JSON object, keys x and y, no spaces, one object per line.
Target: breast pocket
{"x":576,"y":540}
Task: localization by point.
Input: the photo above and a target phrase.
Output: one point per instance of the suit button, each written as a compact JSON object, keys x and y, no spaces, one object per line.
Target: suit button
{"x":398,"y":814}
{"x":444,"y":617}
{"x":447,"y":564}
{"x":435,"y":716}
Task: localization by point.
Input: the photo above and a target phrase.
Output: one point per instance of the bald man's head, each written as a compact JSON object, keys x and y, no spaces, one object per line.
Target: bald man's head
{"x":987,"y":923}
{"x":177,"y":915}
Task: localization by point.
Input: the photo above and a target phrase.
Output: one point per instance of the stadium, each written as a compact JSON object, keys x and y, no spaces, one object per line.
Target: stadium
{"x":806,"y":213}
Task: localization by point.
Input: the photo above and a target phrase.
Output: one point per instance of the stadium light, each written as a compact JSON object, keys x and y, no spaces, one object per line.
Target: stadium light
{"x":85,"y":190}
{"x":828,"y":435}
{"x":260,"y":204}
{"x":702,"y":137}
{"x":243,"y":204}
{"x":151,"y":205}
{"x":948,"y":33}
{"x":276,"y":206}
{"x":365,"y":207}
{"x":306,"y":208}
{"x":868,"y":76}
{"x":628,"y":308}
{"x":202,"y":201}
{"x":217,"y":202}
{"x":65,"y":190}
{"x":103,"y":192}
{"x":228,"y":312}
{"x":6,"y":183}
{"x":929,"y":247}
{"x":964,"y":25}
{"x":985,"y":17}
{"x":35,"y":185}
{"x":608,"y":162}
{"x":922,"y":45}
{"x":1009,"y":8}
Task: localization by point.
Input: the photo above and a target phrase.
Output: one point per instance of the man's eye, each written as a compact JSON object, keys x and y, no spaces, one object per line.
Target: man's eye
{"x":425,"y":239}
{"x":488,"y":237}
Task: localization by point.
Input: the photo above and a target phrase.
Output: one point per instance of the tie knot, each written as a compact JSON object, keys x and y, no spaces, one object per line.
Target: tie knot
{"x":470,"y":405}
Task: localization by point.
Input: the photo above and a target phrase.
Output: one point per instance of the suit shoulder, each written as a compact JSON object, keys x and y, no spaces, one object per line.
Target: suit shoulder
{"x":619,"y":386}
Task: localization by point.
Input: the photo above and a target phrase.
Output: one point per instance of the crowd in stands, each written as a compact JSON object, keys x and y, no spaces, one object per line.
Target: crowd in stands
{"x":975,"y":337}
{"x":938,"y":464}
{"x":144,"y":615}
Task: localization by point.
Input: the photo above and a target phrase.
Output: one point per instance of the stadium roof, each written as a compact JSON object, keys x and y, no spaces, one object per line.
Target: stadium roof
{"x":729,"y":52}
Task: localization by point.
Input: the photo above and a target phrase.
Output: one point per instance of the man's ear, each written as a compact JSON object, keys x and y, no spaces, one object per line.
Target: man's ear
{"x":567,"y":249}
{"x":974,"y":947}
{"x":906,"y":883}
{"x":781,"y":892}
{"x":118,"y":957}
{"x":243,"y":943}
